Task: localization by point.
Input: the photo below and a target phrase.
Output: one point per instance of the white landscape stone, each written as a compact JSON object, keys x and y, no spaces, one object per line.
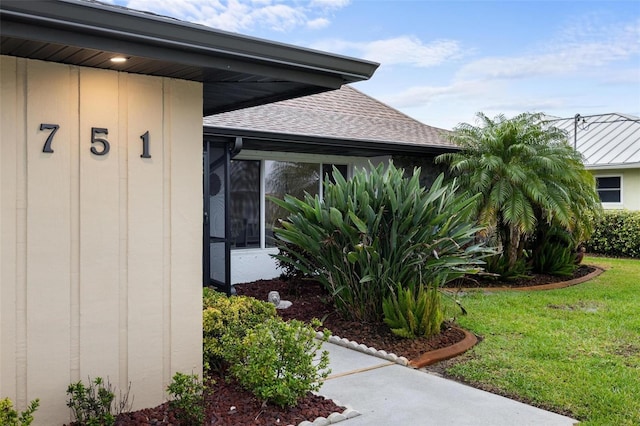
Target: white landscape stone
{"x":336,"y":417}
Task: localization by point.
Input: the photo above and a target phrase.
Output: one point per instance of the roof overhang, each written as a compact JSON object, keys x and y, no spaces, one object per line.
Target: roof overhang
{"x":236,"y":71}
{"x":280,"y":142}
{"x":618,"y":166}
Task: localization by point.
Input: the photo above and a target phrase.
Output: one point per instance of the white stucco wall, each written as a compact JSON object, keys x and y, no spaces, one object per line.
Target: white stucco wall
{"x":100,"y":257}
{"x":253,"y":264}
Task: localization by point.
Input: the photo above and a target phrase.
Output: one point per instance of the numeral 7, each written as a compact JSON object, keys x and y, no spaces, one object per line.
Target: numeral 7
{"x":47,"y":144}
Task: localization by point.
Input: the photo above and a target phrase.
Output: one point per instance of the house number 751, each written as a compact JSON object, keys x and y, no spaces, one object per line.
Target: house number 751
{"x":99,"y":144}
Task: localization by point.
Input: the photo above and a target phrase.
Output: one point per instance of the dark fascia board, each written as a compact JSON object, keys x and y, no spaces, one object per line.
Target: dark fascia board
{"x":261,"y":141}
{"x":98,"y":26}
{"x":276,"y":97}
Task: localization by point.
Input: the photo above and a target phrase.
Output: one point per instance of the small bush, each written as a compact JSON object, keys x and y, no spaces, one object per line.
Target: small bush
{"x":553,"y":250}
{"x":616,"y":233}
{"x":499,"y":264}
{"x":10,"y":417}
{"x":233,"y":315}
{"x":412,"y":314}
{"x":187,"y":398}
{"x":92,"y":405}
{"x":292,"y":271}
{"x":275,"y":360}
{"x":555,"y":258}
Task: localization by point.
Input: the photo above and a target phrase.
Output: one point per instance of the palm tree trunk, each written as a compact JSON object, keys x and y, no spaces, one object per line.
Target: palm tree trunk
{"x":513,"y":244}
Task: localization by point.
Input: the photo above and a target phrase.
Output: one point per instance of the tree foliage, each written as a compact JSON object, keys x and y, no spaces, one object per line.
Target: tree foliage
{"x":526,"y":173}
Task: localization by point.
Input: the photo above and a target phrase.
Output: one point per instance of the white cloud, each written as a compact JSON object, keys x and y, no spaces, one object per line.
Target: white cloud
{"x":560,"y":76}
{"x":318,"y":23}
{"x":575,"y":49}
{"x":278,"y":17}
{"x":244,"y":15}
{"x":330,"y":4}
{"x":426,"y":95}
{"x":398,"y":50}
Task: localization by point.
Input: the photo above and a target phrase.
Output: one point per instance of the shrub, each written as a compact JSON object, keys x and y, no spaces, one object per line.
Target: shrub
{"x":276,"y":360}
{"x":10,"y":417}
{"x":553,"y":250}
{"x":498,"y":264}
{"x":412,"y":314}
{"x":376,"y":230}
{"x":234,"y":315}
{"x":93,"y":405}
{"x":555,"y":259}
{"x":187,"y":398}
{"x":617,"y":233}
{"x":291,"y":270}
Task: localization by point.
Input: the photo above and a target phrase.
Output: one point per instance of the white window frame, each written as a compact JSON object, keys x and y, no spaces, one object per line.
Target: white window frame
{"x":263,"y":156}
{"x":612,"y":205}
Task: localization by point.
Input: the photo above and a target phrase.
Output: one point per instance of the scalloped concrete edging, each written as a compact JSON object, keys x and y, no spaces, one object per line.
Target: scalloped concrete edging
{"x":333,"y":418}
{"x":427,"y":358}
{"x":553,"y":286}
{"x":351,"y":344}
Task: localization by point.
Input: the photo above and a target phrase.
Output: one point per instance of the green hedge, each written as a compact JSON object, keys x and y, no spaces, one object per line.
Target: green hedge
{"x":616,"y":233}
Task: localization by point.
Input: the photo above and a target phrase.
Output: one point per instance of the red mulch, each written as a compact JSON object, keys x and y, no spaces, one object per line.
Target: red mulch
{"x":477,"y":281}
{"x":310,"y":300}
{"x":228,"y":404}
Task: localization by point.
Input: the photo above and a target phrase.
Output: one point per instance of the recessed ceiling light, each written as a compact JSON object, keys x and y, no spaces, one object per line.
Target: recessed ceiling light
{"x":118,"y":59}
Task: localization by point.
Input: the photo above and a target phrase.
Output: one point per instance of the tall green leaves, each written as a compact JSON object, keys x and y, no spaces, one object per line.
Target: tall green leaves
{"x":410,"y":313}
{"x":526,"y":173}
{"x":376,"y":230}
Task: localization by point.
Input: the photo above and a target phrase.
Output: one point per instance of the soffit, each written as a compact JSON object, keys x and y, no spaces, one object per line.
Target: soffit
{"x":236,"y":71}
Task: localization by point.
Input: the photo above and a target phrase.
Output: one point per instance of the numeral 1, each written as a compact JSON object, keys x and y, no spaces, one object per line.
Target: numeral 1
{"x":145,"y":145}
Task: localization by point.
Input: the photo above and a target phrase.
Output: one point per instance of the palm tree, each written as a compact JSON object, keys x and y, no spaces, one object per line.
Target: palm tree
{"x":527,"y":173}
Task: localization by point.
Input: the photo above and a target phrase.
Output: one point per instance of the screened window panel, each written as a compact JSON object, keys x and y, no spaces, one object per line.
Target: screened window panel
{"x":245,"y":203}
{"x":282,"y":178}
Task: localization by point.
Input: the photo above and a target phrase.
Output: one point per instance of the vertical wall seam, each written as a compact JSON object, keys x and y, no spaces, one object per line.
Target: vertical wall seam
{"x":21,"y":230}
{"x":167,"y":94}
{"x":75,"y":359}
{"x":123,"y":172}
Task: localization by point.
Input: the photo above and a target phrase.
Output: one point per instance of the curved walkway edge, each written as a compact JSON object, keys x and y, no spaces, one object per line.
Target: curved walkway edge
{"x":437,"y":355}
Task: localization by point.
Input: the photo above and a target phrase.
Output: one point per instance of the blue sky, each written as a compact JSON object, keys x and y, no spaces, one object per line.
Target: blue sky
{"x":443,"y":61}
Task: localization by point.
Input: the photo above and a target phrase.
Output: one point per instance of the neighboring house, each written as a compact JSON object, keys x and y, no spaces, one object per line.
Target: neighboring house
{"x":101,"y":216}
{"x":610,"y":146}
{"x":288,"y":147}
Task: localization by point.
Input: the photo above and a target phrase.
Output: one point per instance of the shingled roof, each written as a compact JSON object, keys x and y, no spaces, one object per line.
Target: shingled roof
{"x":345,"y":114}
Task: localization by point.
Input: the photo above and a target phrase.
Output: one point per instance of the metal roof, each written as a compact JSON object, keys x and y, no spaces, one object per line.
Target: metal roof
{"x":236,"y":71}
{"x":606,"y":141}
{"x":344,"y":121}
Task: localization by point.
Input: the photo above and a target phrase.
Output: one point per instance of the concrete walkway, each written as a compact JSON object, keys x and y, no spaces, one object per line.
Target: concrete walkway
{"x":388,"y":394}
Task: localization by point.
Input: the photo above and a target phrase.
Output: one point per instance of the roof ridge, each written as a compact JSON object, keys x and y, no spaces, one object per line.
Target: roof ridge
{"x":392,"y":108}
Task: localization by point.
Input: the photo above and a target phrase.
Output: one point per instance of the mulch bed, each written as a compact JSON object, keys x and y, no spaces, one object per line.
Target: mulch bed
{"x":227,"y":403}
{"x":310,"y":300}
{"x":478,"y":281}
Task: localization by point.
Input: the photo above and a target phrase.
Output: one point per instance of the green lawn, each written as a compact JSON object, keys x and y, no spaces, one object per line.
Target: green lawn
{"x":575,"y":350}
